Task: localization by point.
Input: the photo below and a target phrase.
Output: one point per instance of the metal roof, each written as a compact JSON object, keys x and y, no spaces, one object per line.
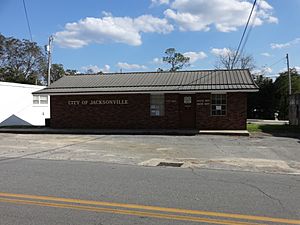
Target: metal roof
{"x":180,"y":81}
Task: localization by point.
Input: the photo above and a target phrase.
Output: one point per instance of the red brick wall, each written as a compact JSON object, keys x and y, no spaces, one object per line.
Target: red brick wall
{"x":236,"y":116}
{"x":136,"y":114}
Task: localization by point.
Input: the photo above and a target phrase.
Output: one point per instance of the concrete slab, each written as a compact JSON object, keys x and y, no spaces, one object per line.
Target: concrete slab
{"x":46,"y":130}
{"x":225,"y":132}
{"x":254,"y":153}
{"x":268,"y":122}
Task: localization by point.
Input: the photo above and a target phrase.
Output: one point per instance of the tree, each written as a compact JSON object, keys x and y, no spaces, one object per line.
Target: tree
{"x":227,"y":61}
{"x":57,"y":71}
{"x":21,"y":61}
{"x":281,"y":91}
{"x":261,"y":104}
{"x":70,"y":72}
{"x":175,"y":59}
{"x":89,"y":71}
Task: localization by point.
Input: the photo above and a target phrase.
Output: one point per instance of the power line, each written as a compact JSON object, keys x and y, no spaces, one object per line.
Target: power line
{"x":250,"y":28}
{"x":277,"y":62}
{"x":238,"y":49}
{"x":200,"y":78}
{"x":28,"y":24}
{"x":214,"y":71}
{"x":272,"y":65}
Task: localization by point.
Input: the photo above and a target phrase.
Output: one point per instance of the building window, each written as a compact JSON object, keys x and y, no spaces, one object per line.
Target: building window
{"x":40,"y":100}
{"x":157,"y":105}
{"x":218,"y":104}
{"x":36,"y":99}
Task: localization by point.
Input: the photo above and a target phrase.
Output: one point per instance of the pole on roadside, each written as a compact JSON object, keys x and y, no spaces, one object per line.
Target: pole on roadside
{"x":290,"y":86}
{"x":289,"y":74}
{"x":49,"y":52}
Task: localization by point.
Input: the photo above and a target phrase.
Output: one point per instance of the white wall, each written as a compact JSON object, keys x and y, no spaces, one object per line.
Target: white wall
{"x":16,"y":99}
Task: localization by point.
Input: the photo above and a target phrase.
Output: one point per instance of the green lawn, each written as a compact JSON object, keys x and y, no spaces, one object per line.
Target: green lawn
{"x":273,"y":128}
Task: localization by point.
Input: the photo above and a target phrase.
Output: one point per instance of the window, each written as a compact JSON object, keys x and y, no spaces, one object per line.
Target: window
{"x":40,"y":100}
{"x":218,"y":104}
{"x":157,"y":105}
{"x":43,"y":99}
{"x":36,"y":99}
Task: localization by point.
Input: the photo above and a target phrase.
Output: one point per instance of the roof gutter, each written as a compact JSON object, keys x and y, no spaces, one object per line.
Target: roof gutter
{"x":144,"y":92}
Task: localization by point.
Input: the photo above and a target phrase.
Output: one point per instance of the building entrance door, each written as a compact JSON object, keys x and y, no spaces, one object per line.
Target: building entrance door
{"x":187,"y":111}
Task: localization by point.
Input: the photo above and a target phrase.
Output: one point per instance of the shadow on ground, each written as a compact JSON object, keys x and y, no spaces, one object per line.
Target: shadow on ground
{"x":276,"y":130}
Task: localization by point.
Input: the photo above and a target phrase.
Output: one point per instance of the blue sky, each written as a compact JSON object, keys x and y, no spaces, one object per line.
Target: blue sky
{"x":132,"y":35}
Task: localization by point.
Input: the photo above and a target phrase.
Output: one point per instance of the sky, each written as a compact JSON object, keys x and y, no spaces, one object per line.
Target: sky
{"x":132,"y":35}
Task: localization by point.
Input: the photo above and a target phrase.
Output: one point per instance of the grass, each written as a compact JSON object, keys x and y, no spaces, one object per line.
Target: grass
{"x":273,"y":128}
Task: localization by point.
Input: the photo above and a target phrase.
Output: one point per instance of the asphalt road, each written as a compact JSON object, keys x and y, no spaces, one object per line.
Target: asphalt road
{"x":50,"y":192}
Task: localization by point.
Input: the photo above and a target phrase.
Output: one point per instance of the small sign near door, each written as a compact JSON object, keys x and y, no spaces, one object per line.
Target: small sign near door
{"x":187,"y":100}
{"x":187,"y":111}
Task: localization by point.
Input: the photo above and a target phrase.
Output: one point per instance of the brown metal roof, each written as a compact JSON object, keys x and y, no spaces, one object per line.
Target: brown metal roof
{"x":181,"y":81}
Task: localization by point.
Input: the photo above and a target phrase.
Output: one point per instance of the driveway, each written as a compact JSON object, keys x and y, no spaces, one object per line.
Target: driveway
{"x":260,"y":153}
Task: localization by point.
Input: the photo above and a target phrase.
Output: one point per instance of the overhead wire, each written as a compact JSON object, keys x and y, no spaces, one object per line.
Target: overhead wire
{"x":272,"y":65}
{"x":28,"y":24}
{"x":214,"y":71}
{"x":243,"y":35}
{"x":250,"y":29}
{"x":277,"y":62}
{"x":242,"y":44}
{"x":200,"y":78}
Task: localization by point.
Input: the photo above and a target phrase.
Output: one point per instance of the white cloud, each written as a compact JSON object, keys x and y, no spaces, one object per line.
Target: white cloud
{"x":92,"y":68}
{"x":127,"y":66}
{"x":106,"y":69}
{"x":187,"y":21}
{"x":221,"y":51}
{"x":297,"y":68}
{"x":159,"y":2}
{"x":195,"y":56}
{"x":95,"y":69}
{"x":265,"y":5}
{"x":105,"y":13}
{"x":225,"y":15}
{"x":150,"y":24}
{"x":272,"y":19}
{"x":284,"y":69}
{"x":265,"y":70}
{"x":110,"y":29}
{"x":266,"y":54}
{"x":157,"y":60}
{"x":285,"y":45}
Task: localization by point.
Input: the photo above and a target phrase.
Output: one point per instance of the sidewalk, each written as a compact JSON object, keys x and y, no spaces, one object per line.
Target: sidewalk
{"x":257,"y":153}
{"x":268,"y":122}
{"x":47,"y":130}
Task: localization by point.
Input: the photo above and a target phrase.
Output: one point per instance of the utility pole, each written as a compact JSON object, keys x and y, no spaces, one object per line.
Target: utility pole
{"x":49,"y":52}
{"x":289,"y":74}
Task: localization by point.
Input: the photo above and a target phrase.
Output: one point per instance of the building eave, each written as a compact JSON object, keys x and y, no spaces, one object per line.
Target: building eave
{"x":145,"y":92}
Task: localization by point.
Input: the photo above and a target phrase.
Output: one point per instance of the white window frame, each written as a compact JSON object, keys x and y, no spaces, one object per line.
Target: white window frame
{"x":157,"y":105}
{"x":219,"y":104}
{"x":40,"y":100}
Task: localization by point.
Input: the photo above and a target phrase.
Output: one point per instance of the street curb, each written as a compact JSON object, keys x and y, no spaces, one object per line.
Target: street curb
{"x":184,"y":132}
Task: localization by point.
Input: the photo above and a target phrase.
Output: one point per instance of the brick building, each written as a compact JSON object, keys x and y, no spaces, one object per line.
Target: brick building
{"x":206,"y":99}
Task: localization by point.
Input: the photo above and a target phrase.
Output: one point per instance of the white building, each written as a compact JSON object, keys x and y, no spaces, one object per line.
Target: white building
{"x":19,"y":107}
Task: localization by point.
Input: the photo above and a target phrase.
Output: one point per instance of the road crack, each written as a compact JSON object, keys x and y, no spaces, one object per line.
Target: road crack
{"x":48,"y":150}
{"x":264,"y":193}
{"x":246,"y":184}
